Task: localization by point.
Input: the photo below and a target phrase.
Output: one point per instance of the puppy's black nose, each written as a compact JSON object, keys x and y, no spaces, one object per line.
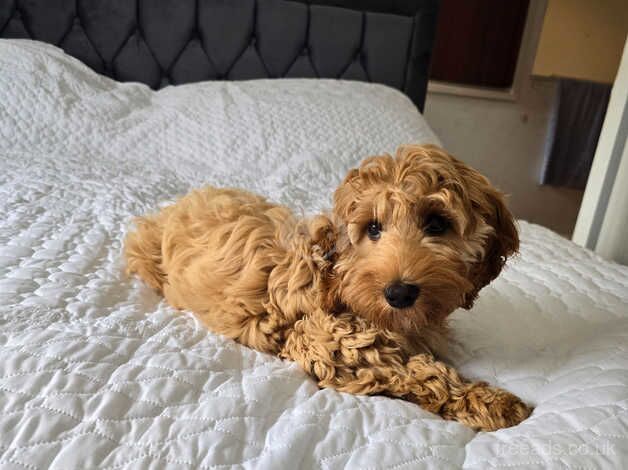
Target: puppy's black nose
{"x":401,"y":295}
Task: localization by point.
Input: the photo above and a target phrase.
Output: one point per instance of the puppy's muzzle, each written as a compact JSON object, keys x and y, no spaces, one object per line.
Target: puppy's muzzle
{"x":401,"y":295}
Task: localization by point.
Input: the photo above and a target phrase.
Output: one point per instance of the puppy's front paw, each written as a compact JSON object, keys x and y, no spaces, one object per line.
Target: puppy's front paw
{"x":323,"y":236}
{"x":321,"y":229}
{"x":487,"y":408}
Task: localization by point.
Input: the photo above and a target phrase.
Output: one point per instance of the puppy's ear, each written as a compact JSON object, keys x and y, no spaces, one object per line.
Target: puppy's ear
{"x":345,"y":203}
{"x":353,"y":204}
{"x":501,"y":243}
{"x":345,"y":195}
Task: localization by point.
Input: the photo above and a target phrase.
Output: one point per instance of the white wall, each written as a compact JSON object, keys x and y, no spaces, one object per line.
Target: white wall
{"x":506,"y":142}
{"x":613,"y":239}
{"x":505,"y":138}
{"x":603,"y":219}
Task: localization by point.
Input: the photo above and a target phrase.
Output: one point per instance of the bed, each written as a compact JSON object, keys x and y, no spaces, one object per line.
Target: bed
{"x":96,"y":371}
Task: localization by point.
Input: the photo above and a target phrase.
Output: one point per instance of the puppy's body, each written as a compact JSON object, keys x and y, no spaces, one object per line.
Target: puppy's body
{"x":356,"y":297}
{"x":246,"y":267}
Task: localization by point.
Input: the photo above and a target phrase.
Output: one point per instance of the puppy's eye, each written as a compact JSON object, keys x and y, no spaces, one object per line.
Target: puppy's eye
{"x":374,"y":230}
{"x":435,"y":225}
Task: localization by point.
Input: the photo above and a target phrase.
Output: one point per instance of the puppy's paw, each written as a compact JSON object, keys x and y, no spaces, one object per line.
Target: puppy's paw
{"x":486,"y":408}
{"x":321,"y":229}
{"x":323,"y":236}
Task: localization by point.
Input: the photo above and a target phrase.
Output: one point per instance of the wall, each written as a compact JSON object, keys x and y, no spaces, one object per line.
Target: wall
{"x":505,"y":138}
{"x":582,"y":39}
{"x":601,"y":223}
{"x":613,"y":240}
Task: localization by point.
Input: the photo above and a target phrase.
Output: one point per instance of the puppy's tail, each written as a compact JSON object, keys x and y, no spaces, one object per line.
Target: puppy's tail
{"x":143,"y":251}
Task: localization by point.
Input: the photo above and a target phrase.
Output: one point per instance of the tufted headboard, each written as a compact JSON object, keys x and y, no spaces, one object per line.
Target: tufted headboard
{"x":163,"y":42}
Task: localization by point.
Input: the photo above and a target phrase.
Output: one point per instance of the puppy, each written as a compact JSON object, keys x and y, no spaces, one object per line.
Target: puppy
{"x":359,"y":298}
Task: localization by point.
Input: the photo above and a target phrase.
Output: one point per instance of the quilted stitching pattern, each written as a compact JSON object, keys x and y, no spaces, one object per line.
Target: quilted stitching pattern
{"x":161,"y":42}
{"x":96,"y":371}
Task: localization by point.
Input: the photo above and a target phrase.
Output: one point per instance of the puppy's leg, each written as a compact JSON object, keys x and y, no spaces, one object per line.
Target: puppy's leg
{"x":143,"y":250}
{"x":347,"y":353}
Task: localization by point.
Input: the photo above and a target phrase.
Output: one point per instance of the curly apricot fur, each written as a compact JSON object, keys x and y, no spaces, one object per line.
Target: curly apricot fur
{"x":312,"y":290}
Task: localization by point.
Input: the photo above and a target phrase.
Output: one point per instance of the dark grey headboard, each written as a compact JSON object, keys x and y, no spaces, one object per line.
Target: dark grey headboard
{"x":162,"y":42}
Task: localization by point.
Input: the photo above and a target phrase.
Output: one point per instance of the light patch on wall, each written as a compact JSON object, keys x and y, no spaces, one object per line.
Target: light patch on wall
{"x":582,"y":39}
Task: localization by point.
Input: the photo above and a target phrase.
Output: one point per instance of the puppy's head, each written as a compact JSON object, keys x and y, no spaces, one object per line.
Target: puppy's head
{"x":424,"y":234}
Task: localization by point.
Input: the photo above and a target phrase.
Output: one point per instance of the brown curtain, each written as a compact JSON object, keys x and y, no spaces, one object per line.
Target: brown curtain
{"x":580,"y":112}
{"x":477,"y":41}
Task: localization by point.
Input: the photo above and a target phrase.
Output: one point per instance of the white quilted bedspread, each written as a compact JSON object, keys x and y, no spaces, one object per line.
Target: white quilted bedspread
{"x":96,"y":371}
